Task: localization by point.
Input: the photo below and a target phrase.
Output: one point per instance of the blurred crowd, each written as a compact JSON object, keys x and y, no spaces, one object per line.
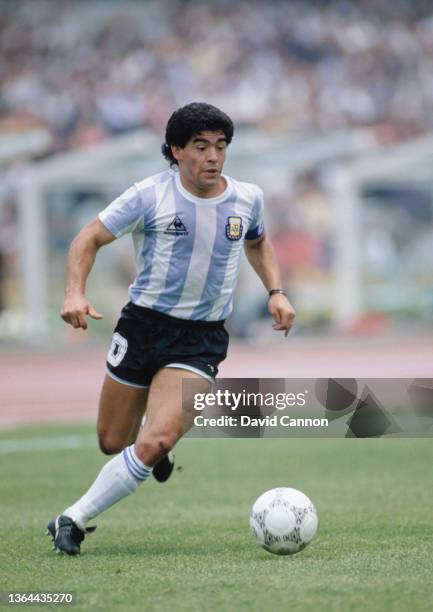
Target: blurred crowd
{"x":87,"y":70}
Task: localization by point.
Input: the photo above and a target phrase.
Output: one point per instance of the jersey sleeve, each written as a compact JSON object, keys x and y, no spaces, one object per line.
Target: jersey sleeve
{"x":125,"y":214}
{"x":256,"y":227}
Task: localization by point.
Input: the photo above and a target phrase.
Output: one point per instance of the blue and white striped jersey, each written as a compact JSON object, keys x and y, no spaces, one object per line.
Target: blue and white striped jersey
{"x":188,"y":249}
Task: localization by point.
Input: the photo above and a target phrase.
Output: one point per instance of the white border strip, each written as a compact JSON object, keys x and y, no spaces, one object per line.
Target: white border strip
{"x":184,"y":366}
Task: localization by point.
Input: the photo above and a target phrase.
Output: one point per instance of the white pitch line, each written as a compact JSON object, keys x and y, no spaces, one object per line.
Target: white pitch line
{"x":44,"y":444}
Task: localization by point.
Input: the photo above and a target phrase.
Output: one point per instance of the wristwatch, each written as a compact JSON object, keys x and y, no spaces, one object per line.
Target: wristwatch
{"x":273,"y":291}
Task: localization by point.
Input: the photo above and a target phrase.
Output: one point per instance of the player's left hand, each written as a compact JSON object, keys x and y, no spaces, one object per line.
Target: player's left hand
{"x":282,"y":312}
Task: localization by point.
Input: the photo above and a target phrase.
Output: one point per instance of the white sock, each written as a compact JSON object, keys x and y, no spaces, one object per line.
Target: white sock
{"x":117,"y":479}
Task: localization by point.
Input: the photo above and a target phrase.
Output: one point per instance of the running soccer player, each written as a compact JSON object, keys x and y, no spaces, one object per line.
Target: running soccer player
{"x":189,"y":225}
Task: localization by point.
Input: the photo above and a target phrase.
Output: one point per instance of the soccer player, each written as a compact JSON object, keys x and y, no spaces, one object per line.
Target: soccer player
{"x":189,"y":225}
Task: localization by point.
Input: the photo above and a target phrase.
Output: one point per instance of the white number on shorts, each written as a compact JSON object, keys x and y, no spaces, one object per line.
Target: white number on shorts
{"x":118,"y":348}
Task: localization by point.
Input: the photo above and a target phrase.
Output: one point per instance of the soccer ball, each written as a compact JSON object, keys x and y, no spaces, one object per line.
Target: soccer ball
{"x":283,"y":521}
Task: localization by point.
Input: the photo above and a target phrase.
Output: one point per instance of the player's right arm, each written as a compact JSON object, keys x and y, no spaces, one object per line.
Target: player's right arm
{"x":81,"y":258}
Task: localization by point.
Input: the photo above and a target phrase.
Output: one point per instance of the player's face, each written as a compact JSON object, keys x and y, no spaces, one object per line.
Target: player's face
{"x":201,"y":162}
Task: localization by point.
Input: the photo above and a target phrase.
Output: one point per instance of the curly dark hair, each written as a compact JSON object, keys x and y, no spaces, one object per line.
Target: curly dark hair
{"x":190,"y":120}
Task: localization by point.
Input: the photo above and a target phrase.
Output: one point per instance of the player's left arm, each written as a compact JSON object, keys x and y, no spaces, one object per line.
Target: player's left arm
{"x":261,"y":255}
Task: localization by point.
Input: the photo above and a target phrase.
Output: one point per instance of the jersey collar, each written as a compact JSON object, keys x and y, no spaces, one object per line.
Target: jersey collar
{"x":193,"y":198}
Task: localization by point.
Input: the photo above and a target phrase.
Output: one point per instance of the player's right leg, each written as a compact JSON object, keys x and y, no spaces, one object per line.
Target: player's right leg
{"x":121,"y":409}
{"x":170,"y":416}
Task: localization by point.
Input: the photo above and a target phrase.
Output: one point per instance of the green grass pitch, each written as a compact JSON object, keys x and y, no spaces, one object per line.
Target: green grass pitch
{"x":185,"y":545}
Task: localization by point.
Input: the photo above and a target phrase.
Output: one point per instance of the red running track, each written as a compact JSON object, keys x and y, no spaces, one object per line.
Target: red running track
{"x":64,"y":385}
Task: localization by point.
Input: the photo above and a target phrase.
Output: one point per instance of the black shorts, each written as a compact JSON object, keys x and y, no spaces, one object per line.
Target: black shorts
{"x":145,"y":340}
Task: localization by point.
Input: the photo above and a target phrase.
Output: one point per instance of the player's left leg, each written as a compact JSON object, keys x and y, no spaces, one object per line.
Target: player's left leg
{"x":170,"y":412}
{"x":163,"y":469}
{"x":169,"y":416}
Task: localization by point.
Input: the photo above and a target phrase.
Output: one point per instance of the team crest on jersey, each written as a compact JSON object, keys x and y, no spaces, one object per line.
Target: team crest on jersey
{"x":176,"y":227}
{"x":234,"y":228}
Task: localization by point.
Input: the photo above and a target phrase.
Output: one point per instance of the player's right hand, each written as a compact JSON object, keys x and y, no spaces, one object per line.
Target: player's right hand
{"x":75,"y":309}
